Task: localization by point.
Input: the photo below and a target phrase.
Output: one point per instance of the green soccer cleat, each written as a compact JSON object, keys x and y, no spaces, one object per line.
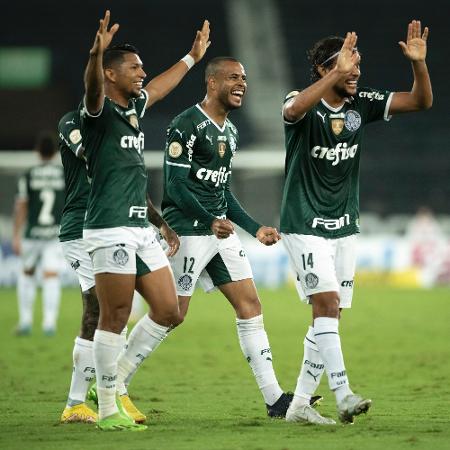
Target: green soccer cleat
{"x":92,"y":394}
{"x":118,"y":422}
{"x":124,"y":405}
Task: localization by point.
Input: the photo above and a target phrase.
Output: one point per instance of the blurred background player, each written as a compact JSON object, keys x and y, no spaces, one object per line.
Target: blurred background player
{"x":38,"y":209}
{"x":116,"y":230}
{"x":199,"y":205}
{"x":320,"y":209}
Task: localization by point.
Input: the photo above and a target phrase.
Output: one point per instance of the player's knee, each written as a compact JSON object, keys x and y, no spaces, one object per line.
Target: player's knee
{"x":326,"y":304}
{"x":168,"y":318}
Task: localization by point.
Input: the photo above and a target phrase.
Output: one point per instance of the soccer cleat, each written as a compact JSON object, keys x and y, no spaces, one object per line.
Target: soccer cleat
{"x":279,"y":408}
{"x":118,"y":422}
{"x":22,"y":331}
{"x":49,"y":332}
{"x":352,"y":405}
{"x":124,"y":404}
{"x":306,"y":414}
{"x":131,"y":409}
{"x":92,"y":394}
{"x":316,"y":400}
{"x":78,"y":413}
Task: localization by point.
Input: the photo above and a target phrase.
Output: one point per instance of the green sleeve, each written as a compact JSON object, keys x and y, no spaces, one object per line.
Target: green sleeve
{"x":237,"y":214}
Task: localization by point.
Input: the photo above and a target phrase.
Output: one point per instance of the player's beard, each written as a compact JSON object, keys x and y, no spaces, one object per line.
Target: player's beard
{"x":342,"y":92}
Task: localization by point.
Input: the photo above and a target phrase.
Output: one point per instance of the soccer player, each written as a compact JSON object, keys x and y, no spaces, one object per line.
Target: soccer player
{"x":116,"y":228}
{"x":39,"y":207}
{"x":199,"y":205}
{"x":324,"y":124}
{"x":71,"y":238}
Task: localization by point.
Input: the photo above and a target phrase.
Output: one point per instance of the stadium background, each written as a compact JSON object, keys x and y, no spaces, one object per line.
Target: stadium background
{"x":197,"y":390}
{"x":405,"y":166}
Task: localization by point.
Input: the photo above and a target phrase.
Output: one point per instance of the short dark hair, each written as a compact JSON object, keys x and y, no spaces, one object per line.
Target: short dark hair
{"x":214,"y":64}
{"x":320,"y":53}
{"x":114,"y":55}
{"x":46,"y":144}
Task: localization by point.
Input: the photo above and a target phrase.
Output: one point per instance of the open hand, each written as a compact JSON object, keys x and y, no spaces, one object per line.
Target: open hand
{"x":171,"y":238}
{"x":201,"y":42}
{"x":104,"y":36}
{"x":415,"y":48}
{"x":348,"y":56}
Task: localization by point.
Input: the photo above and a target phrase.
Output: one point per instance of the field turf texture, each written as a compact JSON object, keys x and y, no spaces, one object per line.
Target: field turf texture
{"x":199,"y":393}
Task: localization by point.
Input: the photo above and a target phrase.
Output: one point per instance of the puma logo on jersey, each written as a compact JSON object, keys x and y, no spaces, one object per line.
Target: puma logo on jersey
{"x":322,"y":116}
{"x":332,"y":224}
{"x":216,"y":176}
{"x":133,"y":142}
{"x":337,"y":154}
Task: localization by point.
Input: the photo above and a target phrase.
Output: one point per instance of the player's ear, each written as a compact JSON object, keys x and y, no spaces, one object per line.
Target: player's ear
{"x":110,"y":75}
{"x":212,"y":83}
{"x":322,"y":71}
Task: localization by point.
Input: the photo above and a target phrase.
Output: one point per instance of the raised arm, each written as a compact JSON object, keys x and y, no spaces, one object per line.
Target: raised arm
{"x":299,"y":105}
{"x":93,"y":75}
{"x":421,"y":95}
{"x":162,"y":84}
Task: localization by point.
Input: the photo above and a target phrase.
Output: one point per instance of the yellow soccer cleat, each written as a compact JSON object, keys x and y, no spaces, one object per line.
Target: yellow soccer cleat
{"x":78,"y":413}
{"x":131,"y":410}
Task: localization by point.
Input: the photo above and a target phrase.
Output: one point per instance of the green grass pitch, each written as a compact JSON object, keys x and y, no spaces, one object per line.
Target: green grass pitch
{"x":199,"y":393}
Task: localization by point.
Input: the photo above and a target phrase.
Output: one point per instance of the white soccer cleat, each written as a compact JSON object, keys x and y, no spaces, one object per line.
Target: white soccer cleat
{"x":306,"y":414}
{"x":352,"y":405}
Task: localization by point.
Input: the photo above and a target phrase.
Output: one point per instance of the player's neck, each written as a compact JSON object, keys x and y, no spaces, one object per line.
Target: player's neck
{"x":334,"y":99}
{"x":116,"y":96}
{"x":214,"y":110}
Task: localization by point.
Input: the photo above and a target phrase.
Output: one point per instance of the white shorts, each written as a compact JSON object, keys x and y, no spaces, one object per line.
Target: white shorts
{"x":46,"y":252}
{"x":124,"y":250}
{"x":215,"y":261}
{"x":76,"y":255}
{"x":323,"y":265}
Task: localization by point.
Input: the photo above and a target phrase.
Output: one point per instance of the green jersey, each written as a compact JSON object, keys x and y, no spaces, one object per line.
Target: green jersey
{"x":197,"y":174}
{"x":43,"y":189}
{"x":114,"y":145}
{"x":75,"y":173}
{"x":323,"y":149}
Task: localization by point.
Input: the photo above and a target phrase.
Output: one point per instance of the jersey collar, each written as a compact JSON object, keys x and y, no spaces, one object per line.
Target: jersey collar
{"x":221,"y":129}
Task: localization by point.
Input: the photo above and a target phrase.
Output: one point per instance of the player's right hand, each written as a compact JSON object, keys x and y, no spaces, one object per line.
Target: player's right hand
{"x":222,"y":228}
{"x":104,"y":36}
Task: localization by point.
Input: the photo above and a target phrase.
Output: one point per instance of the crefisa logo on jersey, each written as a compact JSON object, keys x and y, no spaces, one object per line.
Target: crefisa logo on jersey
{"x":120,"y":256}
{"x":352,"y":120}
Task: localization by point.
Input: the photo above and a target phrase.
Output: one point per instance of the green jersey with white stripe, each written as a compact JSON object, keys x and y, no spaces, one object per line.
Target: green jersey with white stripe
{"x":323,"y":149}
{"x":114,"y":144}
{"x":197,"y":169}
{"x":75,"y":174}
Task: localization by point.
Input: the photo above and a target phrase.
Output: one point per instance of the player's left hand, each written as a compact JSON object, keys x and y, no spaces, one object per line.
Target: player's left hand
{"x":415,"y":48}
{"x":268,"y":235}
{"x":201,"y":42}
{"x":171,"y":238}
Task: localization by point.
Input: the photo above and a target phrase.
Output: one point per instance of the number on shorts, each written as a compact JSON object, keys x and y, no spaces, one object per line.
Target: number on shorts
{"x":188,"y":262}
{"x":47,"y":197}
{"x":307,"y":261}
